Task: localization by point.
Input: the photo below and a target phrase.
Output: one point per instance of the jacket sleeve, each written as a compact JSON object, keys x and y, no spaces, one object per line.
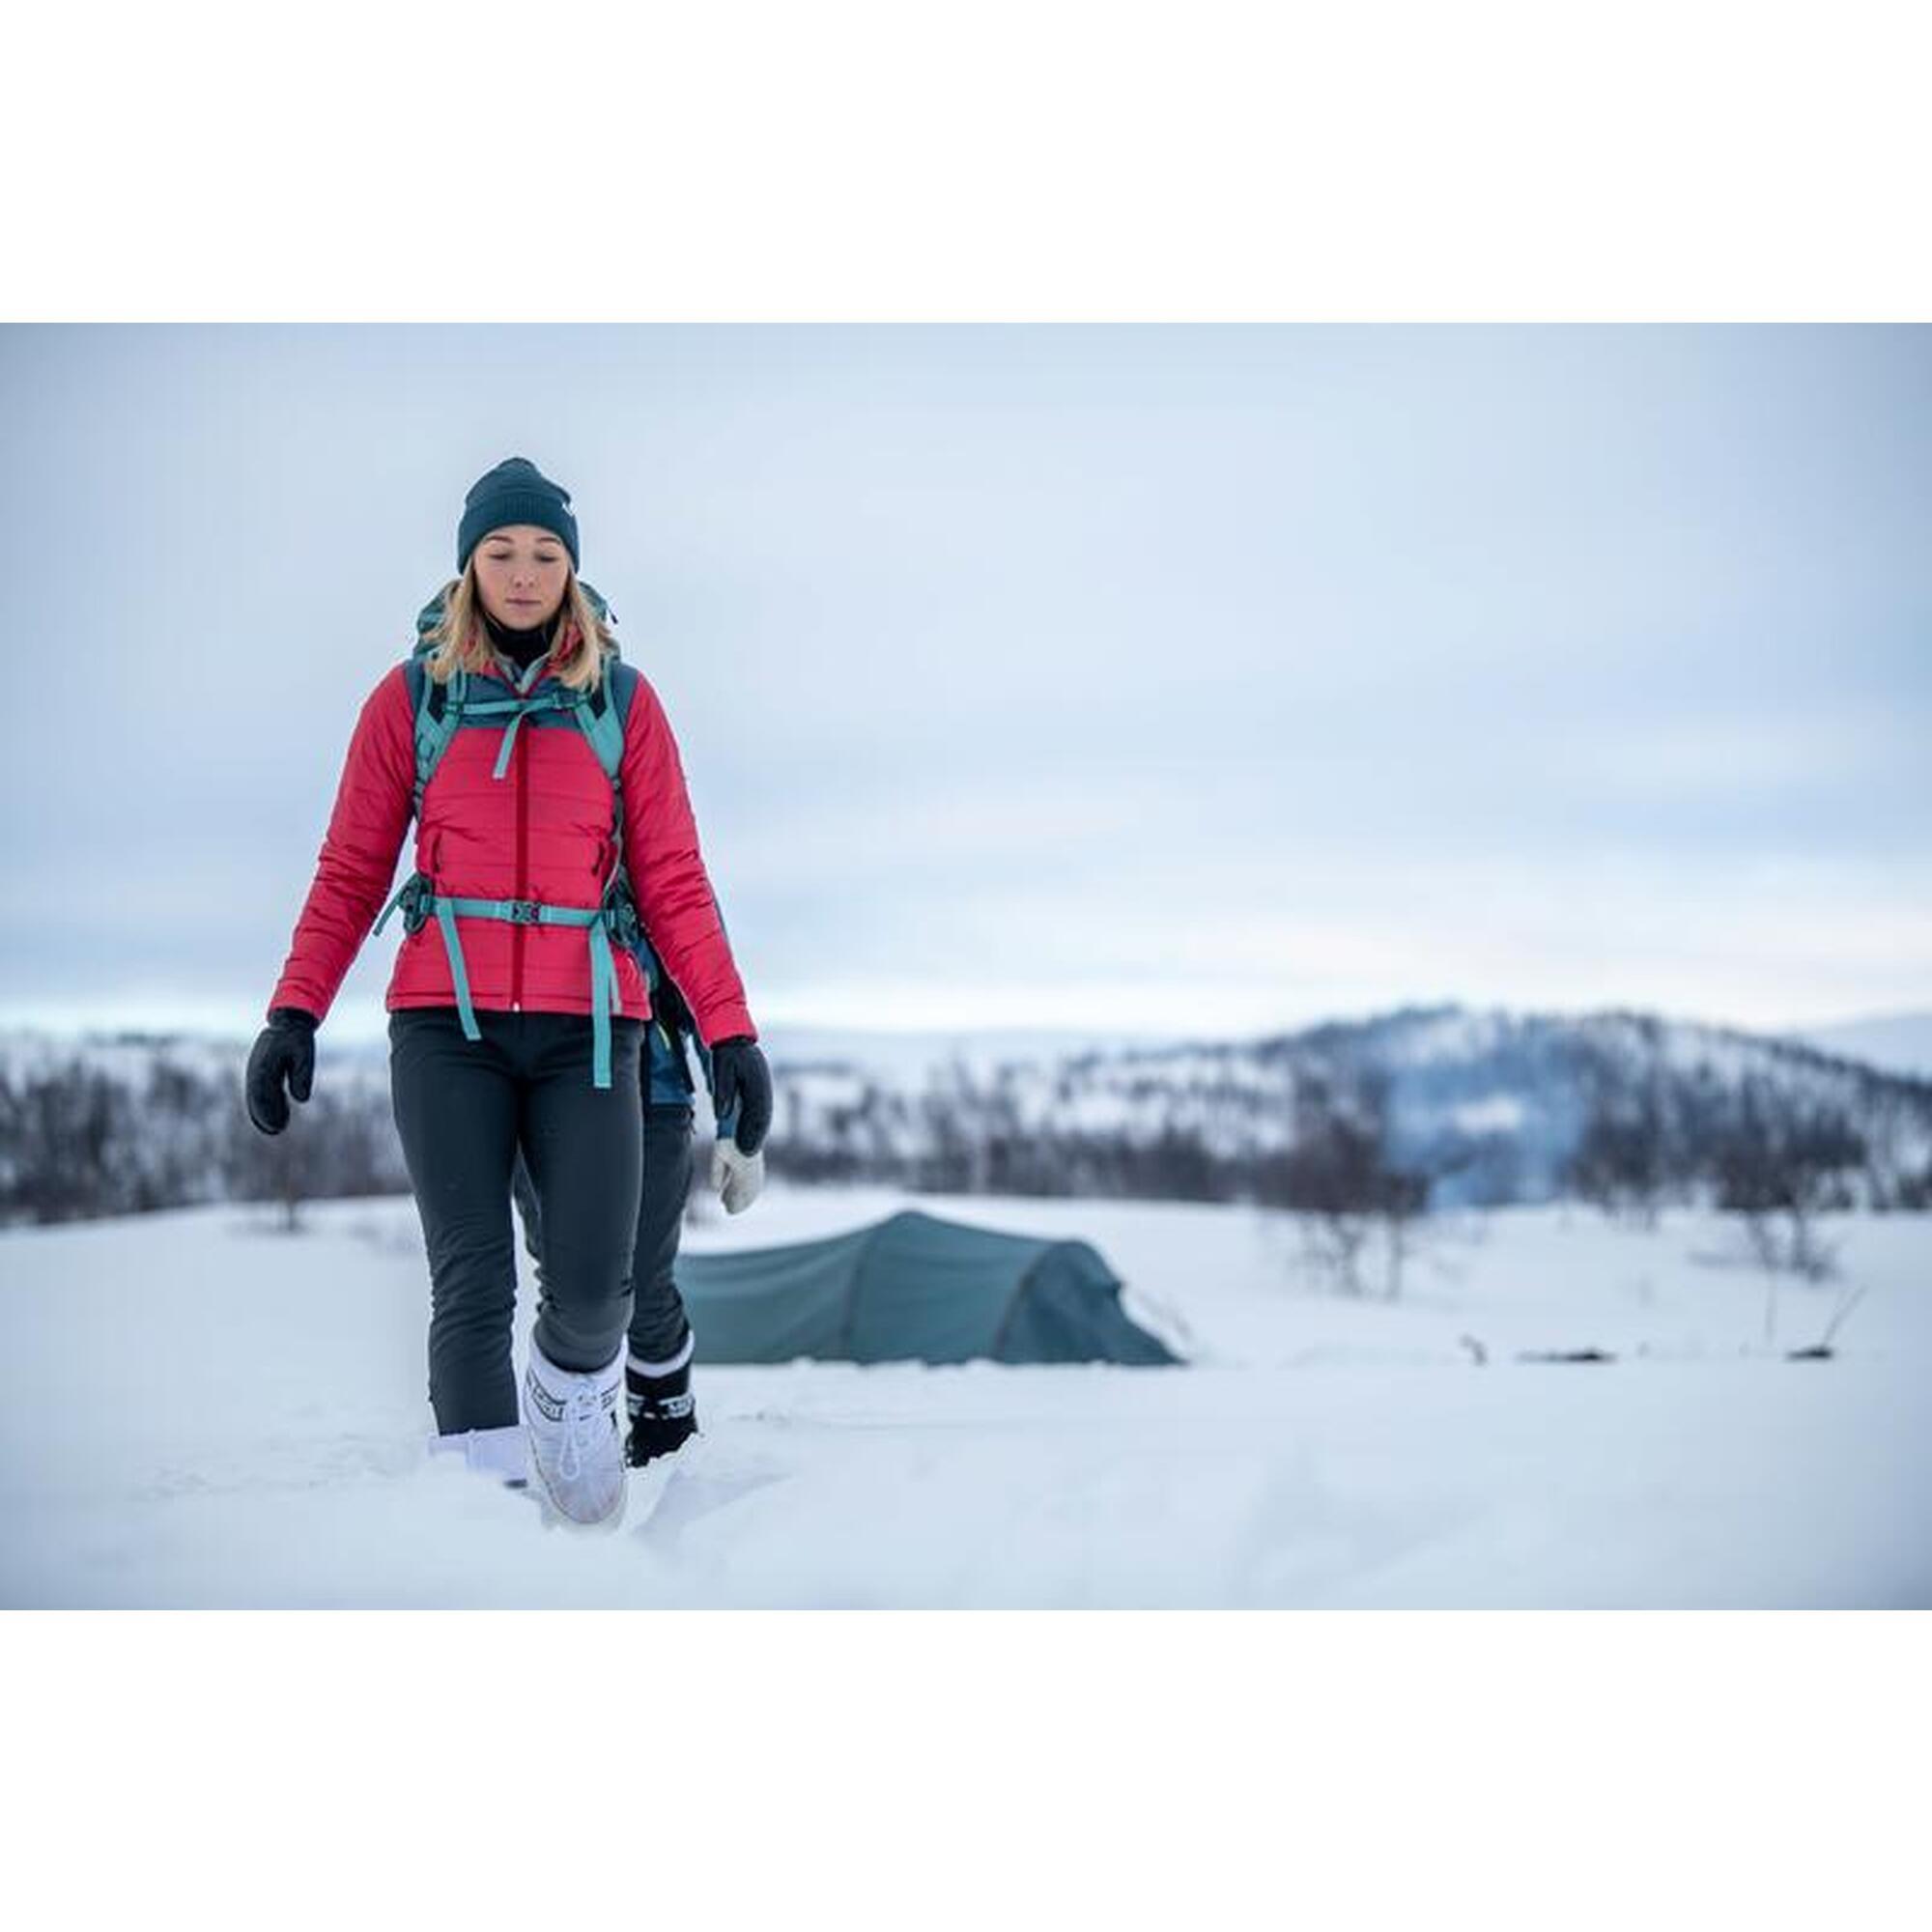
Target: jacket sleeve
{"x":674,"y":896}
{"x":373,"y":803}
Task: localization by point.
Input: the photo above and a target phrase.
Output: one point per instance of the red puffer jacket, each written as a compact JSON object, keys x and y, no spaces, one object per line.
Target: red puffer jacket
{"x":541,"y":831}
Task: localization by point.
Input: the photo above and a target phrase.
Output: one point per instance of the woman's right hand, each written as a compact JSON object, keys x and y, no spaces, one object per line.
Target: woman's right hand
{"x":284,"y":1051}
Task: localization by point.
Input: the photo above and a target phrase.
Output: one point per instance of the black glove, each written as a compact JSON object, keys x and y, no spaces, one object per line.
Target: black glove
{"x":741,"y":1079}
{"x":284,"y":1050}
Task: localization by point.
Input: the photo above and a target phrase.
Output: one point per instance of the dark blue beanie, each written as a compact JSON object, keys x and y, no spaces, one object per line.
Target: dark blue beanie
{"x":515,"y":491}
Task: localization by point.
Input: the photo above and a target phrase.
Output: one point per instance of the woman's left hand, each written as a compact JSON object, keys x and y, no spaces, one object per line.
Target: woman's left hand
{"x":739,"y":1178}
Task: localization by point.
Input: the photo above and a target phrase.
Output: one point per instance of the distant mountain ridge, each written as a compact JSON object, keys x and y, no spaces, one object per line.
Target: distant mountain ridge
{"x":1480,"y":1107}
{"x":1491,"y":1106}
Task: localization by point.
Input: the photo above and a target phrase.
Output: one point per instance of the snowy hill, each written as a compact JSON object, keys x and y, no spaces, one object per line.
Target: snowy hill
{"x":223,"y":1414}
{"x":1490,"y":1107}
{"x":1477,"y":1107}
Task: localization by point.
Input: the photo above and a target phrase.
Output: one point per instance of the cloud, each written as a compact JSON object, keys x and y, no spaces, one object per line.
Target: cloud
{"x":1032,"y":671}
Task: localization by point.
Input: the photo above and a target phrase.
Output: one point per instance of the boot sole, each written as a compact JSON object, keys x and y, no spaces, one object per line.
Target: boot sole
{"x":556,"y":1518}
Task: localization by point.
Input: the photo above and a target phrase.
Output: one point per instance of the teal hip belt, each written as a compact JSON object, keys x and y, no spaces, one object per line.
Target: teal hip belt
{"x":417,"y":898}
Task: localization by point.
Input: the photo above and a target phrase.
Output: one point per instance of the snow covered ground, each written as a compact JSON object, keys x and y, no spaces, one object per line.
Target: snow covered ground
{"x":204,"y":1411}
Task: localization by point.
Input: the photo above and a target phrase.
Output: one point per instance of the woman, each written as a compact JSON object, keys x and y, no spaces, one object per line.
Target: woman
{"x":551,"y":813}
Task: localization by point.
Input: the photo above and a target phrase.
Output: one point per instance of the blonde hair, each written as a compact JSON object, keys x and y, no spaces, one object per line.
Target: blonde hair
{"x":462,"y":643}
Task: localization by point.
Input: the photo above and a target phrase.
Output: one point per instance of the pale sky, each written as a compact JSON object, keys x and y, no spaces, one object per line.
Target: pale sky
{"x":1216,"y":679}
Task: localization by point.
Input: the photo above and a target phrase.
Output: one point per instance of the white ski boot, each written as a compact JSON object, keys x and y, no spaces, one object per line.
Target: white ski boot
{"x":576,"y":1425}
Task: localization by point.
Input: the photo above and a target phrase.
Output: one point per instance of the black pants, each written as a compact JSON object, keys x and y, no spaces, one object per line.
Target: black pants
{"x":659,"y":1324}
{"x":464,"y":1110}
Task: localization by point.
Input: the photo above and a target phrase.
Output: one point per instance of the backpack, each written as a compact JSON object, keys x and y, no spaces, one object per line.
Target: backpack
{"x":440,"y":711}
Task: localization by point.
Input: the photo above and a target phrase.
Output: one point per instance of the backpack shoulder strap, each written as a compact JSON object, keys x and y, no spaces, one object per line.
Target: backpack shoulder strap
{"x":438,"y":709}
{"x":603,"y":713}
{"x":604,"y":710}
{"x":602,"y":717}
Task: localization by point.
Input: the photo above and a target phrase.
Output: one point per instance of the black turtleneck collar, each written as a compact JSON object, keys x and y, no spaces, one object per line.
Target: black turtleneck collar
{"x":525,"y":646}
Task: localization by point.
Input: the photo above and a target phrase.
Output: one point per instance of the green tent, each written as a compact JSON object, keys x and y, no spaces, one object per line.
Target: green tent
{"x":913,"y":1289}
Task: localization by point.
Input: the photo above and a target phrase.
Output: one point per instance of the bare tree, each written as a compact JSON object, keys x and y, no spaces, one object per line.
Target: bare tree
{"x":1338,"y":1177}
{"x":1779,"y":1169}
{"x":274,"y":1169}
{"x":1621,"y":1161}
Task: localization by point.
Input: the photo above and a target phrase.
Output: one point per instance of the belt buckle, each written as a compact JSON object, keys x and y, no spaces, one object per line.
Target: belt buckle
{"x":523,"y":912}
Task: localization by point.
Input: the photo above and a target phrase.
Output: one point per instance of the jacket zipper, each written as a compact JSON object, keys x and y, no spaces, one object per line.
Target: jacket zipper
{"x":516,"y":762}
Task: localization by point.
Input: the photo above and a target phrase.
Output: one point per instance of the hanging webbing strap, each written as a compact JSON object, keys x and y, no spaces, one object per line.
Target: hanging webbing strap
{"x":526,"y":912}
{"x":551,"y":701}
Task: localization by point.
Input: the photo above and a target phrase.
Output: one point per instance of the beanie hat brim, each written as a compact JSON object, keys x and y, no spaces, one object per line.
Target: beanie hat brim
{"x":515,"y":491}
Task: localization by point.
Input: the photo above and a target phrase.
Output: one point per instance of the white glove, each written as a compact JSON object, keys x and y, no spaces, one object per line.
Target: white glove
{"x":737,"y":1176}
